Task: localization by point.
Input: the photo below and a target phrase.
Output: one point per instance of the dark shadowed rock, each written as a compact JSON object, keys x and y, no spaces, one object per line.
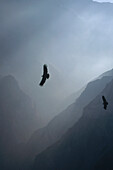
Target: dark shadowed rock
{"x":106,"y":160}
{"x":48,"y":135}
{"x":84,"y":144}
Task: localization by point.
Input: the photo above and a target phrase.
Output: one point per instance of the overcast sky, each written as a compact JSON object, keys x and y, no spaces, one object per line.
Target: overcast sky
{"x":75,"y":41}
{"x":111,"y":1}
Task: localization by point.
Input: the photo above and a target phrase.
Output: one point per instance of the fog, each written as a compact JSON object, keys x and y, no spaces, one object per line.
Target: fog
{"x":111,"y":1}
{"x":73,"y":39}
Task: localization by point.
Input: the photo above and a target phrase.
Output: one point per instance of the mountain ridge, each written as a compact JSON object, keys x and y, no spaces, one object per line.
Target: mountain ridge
{"x":17,"y":121}
{"x":58,"y":126}
{"x":82,"y":146}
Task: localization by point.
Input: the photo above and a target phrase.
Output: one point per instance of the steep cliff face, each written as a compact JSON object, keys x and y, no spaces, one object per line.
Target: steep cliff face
{"x":48,"y":135}
{"x":83,"y":145}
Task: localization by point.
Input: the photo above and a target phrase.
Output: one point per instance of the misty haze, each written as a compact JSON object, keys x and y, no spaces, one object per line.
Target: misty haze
{"x":56,"y":85}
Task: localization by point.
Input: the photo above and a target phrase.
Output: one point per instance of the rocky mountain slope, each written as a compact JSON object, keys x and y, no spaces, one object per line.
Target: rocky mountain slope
{"x":89,"y":141}
{"x":48,"y":135}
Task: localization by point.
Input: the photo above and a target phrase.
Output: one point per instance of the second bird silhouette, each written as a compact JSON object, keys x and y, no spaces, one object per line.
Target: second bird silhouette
{"x":105,"y":103}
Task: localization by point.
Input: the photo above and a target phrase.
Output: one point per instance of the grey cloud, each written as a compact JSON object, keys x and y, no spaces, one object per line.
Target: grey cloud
{"x":72,"y":37}
{"x":21,"y":22}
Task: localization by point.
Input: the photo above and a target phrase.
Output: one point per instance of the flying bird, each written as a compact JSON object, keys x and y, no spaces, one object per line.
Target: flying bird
{"x":45,"y":75}
{"x":105,"y":103}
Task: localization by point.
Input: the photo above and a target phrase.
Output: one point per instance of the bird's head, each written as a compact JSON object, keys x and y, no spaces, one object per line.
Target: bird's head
{"x":45,"y":65}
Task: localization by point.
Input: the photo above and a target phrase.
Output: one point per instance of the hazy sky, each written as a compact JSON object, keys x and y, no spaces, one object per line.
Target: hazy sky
{"x":74,"y":38}
{"x":104,"y":1}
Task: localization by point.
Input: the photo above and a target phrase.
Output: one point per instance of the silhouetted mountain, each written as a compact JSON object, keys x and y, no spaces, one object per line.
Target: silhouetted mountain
{"x":107,"y":73}
{"x":73,"y":97}
{"x":48,"y":135}
{"x":17,"y":119}
{"x":87,"y":144}
{"x":106,"y":160}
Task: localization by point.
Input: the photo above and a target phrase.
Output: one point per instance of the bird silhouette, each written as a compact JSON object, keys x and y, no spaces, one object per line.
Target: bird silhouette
{"x":105,"y":103}
{"x":45,"y":75}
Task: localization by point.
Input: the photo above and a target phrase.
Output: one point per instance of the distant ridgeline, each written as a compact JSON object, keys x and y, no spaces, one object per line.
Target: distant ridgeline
{"x":17,"y":121}
{"x":78,"y":147}
{"x":88,"y":144}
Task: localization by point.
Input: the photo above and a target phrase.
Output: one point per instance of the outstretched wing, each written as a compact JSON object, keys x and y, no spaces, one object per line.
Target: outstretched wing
{"x":104,"y":100}
{"x":42,"y":81}
{"x":45,"y":69}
